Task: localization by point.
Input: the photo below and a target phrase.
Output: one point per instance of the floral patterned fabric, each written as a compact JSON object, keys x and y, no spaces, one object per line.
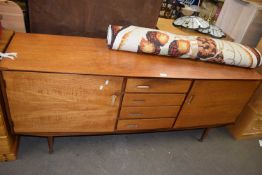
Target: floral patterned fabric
{"x":151,"y":41}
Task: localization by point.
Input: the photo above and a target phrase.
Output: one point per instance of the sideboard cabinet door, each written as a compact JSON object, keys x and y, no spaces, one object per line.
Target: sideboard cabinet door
{"x":48,"y":102}
{"x":212,"y":102}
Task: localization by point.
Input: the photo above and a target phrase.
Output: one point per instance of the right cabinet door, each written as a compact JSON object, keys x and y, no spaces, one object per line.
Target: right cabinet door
{"x":213,"y":102}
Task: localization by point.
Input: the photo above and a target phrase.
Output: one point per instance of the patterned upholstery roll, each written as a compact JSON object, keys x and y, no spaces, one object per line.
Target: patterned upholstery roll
{"x":151,"y":41}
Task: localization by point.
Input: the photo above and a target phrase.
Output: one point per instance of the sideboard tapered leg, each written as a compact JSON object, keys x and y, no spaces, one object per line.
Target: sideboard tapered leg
{"x":204,"y":134}
{"x":50,"y":144}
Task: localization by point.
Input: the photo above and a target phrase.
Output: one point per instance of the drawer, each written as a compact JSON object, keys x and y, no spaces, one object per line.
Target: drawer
{"x":5,"y":144}
{"x":157,"y":85}
{"x":149,"y":112}
{"x":153,"y":99}
{"x":145,"y":124}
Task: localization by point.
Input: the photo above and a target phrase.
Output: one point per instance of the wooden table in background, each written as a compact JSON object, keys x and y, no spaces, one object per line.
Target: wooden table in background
{"x":166,"y":25}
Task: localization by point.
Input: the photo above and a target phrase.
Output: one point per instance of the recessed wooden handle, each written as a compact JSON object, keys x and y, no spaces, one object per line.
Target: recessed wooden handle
{"x":135,"y":114}
{"x":132,"y":125}
{"x":114,"y":97}
{"x":143,"y":87}
{"x":190,"y":99}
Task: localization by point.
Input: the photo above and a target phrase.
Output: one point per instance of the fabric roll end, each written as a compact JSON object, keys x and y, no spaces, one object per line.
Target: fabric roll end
{"x":259,"y":62}
{"x":109,"y":36}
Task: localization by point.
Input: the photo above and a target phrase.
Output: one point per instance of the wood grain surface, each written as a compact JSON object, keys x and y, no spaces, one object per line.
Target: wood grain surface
{"x":157,"y":85}
{"x":214,"y":102}
{"x":153,"y":99}
{"x":144,"y":124}
{"x":42,"y":102}
{"x":3,"y":131}
{"x":248,"y":124}
{"x":79,"y":55}
{"x":5,"y":39}
{"x":166,"y":25}
{"x":6,"y":143}
{"x":149,"y":112}
{"x":256,"y":100}
{"x":11,"y":155}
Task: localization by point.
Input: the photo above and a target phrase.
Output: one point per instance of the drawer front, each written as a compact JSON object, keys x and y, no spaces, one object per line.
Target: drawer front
{"x":45,"y":102}
{"x":157,"y":85}
{"x":145,"y":124}
{"x":149,"y":112}
{"x":153,"y":99}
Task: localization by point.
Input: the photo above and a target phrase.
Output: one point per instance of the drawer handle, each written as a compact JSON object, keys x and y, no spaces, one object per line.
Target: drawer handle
{"x":132,"y":126}
{"x":135,"y":114}
{"x":113,"y":99}
{"x":143,"y":87}
{"x":190,"y":99}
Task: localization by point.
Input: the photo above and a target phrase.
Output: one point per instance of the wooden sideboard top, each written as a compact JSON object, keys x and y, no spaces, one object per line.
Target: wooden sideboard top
{"x":79,"y":55}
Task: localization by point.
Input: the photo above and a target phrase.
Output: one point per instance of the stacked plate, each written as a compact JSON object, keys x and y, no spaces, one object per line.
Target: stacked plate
{"x":214,"y":31}
{"x":199,"y":24}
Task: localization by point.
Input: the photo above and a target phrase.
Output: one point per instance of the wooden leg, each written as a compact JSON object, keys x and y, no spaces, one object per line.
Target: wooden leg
{"x":204,"y":134}
{"x":50,"y":144}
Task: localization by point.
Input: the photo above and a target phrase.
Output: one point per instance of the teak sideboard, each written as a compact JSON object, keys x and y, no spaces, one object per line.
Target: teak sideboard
{"x":62,"y":85}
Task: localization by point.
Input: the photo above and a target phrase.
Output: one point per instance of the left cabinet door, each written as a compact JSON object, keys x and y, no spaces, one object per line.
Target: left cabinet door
{"x":50,"y":102}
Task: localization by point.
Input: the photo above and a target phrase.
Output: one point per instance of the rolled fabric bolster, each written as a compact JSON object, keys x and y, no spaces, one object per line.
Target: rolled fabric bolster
{"x":152,"y":41}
